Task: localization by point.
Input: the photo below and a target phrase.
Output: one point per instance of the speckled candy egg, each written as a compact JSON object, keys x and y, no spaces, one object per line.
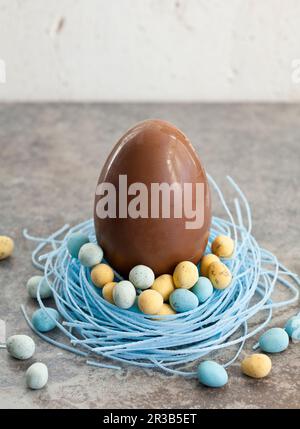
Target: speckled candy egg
{"x":291,"y":325}
{"x":166,"y":310}
{"x":107,"y":292}
{"x":185,"y":275}
{"x":164,"y":285}
{"x":6,"y":247}
{"x":257,"y":365}
{"x":90,"y":254}
{"x":37,"y":376}
{"x":42,"y":321}
{"x":212,"y":374}
{"x":152,"y":152}
{"x":219,"y":275}
{"x":33,"y":284}
{"x":102,"y":274}
{"x":274,"y":340}
{"x":203,"y":289}
{"x":20,"y":346}
{"x":223,"y":246}
{"x":124,"y":294}
{"x":141,"y":277}
{"x":205,"y":263}
{"x":150,"y":301}
{"x":75,"y":242}
{"x":182,"y":300}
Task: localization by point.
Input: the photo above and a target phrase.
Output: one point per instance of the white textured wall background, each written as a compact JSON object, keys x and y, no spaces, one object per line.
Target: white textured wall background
{"x":111,"y":50}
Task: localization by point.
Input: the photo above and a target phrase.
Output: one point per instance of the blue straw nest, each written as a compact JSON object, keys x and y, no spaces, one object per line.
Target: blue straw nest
{"x":177,"y":343}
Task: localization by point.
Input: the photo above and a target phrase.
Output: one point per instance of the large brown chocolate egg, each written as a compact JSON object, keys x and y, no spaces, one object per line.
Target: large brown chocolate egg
{"x":135,"y":227}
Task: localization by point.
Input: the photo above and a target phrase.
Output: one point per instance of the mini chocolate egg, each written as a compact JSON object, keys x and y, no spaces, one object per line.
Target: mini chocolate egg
{"x":107,"y":292}
{"x":141,"y":277}
{"x":90,"y":254}
{"x":203,"y":289}
{"x":182,"y":300}
{"x":164,"y":285}
{"x":20,"y":346}
{"x":166,"y":310}
{"x":102,"y":274}
{"x":291,"y":325}
{"x":150,"y":301}
{"x":185,"y":275}
{"x":212,"y":374}
{"x":223,"y":246}
{"x":6,"y":247}
{"x":124,"y":294}
{"x":274,"y":340}
{"x":42,"y":321}
{"x":206,"y":260}
{"x":37,"y":376}
{"x":137,"y":223}
{"x":219,"y":275}
{"x":75,"y":242}
{"x":33,"y":284}
{"x":257,"y":365}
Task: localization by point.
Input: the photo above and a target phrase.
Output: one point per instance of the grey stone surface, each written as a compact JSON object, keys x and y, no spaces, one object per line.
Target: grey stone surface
{"x":50,"y":158}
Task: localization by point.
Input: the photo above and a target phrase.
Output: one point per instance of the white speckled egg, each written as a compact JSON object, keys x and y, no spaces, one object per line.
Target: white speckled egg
{"x":141,"y":277}
{"x":37,"y":376}
{"x":33,"y":284}
{"x":124,"y":294}
{"x":20,"y":346}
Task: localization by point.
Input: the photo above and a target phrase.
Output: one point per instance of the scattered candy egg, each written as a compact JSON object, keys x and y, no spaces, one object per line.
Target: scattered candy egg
{"x":223,"y":246}
{"x":75,"y":242}
{"x":124,"y":294}
{"x":257,"y":365}
{"x":205,"y":263}
{"x":6,"y":247}
{"x":296,"y":335}
{"x":42,"y":322}
{"x":164,"y":285}
{"x":33,"y":284}
{"x":219,"y":275}
{"x":203,"y":289}
{"x":141,"y":277}
{"x":166,"y":310}
{"x":150,"y":301}
{"x":185,"y":275}
{"x":20,"y":346}
{"x":37,"y":376}
{"x":274,"y":340}
{"x":107,"y":292}
{"x":102,"y":274}
{"x":90,"y":254}
{"x":212,"y":374}
{"x":291,"y":325}
{"x":183,"y":300}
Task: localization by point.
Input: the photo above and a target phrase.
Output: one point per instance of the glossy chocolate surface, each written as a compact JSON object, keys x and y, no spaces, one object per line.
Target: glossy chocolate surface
{"x":153,"y":151}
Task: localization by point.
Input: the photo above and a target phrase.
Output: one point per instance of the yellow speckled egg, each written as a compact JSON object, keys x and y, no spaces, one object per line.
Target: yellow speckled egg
{"x":150,"y":301}
{"x":165,"y":310}
{"x":6,"y":247}
{"x":102,"y":274}
{"x":219,"y":275}
{"x":164,"y":285}
{"x":107,"y":292}
{"x":257,"y":365}
{"x":205,"y":263}
{"x":185,"y":275}
{"x":223,"y":246}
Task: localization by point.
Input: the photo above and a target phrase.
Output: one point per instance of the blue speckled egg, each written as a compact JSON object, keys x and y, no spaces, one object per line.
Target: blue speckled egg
{"x":274,"y":340}
{"x":203,"y":289}
{"x":90,"y":254}
{"x":212,"y":374}
{"x":42,"y":322}
{"x":75,"y":242}
{"x":124,"y":294}
{"x":291,"y":325}
{"x":182,"y":300}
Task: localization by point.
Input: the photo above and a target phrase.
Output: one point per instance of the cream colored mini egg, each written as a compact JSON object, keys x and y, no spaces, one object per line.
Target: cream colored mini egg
{"x":150,"y":301}
{"x":185,"y":275}
{"x":257,"y":365}
{"x":107,"y":292}
{"x":223,"y":246}
{"x":219,"y":275}
{"x":166,"y":310}
{"x":205,"y":263}
{"x":164,"y":285}
{"x":102,"y":274}
{"x":6,"y":247}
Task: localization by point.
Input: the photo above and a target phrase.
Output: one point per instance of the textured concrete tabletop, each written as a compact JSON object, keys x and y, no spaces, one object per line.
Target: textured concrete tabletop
{"x":50,"y":158}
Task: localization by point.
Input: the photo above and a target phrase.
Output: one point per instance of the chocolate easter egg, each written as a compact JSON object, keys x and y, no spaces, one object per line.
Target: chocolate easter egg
{"x":152,"y":202}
